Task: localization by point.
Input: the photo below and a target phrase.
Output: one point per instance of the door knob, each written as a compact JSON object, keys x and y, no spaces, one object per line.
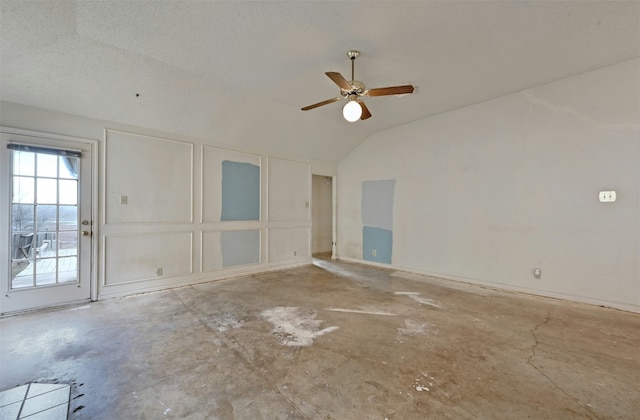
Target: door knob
{"x":86,"y":233}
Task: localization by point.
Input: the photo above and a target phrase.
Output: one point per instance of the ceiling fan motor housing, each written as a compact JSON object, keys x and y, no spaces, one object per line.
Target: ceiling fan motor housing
{"x":357,"y":88}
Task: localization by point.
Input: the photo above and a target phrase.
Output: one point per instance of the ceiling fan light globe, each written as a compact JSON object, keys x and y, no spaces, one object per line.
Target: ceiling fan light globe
{"x":352,"y":111}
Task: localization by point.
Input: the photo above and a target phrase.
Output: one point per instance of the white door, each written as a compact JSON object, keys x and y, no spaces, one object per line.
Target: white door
{"x":46,"y":220}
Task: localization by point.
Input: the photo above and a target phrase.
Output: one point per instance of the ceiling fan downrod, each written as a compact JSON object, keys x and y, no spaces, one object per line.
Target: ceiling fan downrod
{"x":353,"y":54}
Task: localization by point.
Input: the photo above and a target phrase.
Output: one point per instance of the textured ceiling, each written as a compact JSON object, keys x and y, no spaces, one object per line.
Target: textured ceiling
{"x":237,"y":73}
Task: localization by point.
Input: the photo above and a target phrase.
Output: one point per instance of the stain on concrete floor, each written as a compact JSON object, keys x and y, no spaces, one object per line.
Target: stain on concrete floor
{"x":376,"y":344}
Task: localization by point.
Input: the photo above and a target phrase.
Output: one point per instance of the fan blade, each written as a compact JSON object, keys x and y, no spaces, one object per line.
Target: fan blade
{"x":339,"y":80}
{"x":393,"y":90}
{"x":327,"y":102}
{"x":365,"y":111}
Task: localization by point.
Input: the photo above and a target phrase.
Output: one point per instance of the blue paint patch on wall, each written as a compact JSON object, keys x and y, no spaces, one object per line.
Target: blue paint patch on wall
{"x":240,"y":191}
{"x":377,"y":218}
{"x":377,"y":244}
{"x":377,"y":203}
{"x":240,"y":247}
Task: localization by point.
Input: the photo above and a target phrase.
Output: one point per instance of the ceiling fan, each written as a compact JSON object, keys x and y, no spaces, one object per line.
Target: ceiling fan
{"x":355,"y":109}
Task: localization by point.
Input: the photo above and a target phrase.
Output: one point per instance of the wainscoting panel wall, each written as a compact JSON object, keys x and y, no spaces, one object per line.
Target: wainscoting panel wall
{"x":179,"y":213}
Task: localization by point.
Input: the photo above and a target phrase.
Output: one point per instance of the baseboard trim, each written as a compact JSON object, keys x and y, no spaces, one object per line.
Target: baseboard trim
{"x":504,"y":287}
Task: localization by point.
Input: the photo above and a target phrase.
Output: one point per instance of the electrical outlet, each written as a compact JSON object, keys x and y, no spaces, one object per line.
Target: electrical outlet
{"x":374,"y":252}
{"x":607,"y":196}
{"x":295,"y":253}
{"x":124,"y":199}
{"x":159,"y":271}
{"x":537,"y":273}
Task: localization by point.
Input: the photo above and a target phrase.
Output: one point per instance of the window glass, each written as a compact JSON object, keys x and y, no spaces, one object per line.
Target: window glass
{"x":23,"y":190}
{"x":47,"y":165}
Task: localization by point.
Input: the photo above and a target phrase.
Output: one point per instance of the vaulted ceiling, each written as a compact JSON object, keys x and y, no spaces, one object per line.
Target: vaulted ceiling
{"x":237,"y":73}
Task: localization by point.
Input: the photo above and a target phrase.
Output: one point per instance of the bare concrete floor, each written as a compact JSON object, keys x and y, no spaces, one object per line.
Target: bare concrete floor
{"x":331,"y":341}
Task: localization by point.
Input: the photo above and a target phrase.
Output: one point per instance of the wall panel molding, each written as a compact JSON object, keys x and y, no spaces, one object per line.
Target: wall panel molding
{"x":146,"y":257}
{"x":147,"y":179}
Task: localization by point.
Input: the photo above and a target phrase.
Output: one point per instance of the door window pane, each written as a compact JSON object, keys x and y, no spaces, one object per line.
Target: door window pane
{"x":68,"y":218}
{"x":23,"y":163}
{"x":67,"y":269}
{"x":67,"y":243}
{"x":46,"y":218}
{"x":46,"y":271}
{"x":44,"y":245}
{"x":23,"y":189}
{"x":21,"y":273}
{"x":47,"y":165}
{"x":68,"y":191}
{"x":69,"y":167}
{"x":21,"y":245}
{"x":22,"y":217}
{"x":47,"y":191}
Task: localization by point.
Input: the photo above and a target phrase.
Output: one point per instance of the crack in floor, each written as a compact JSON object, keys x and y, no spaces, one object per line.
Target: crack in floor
{"x":551,"y":381}
{"x":535,"y":338}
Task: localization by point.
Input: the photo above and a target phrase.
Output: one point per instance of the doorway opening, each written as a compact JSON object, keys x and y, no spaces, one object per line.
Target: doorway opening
{"x":322,"y":217}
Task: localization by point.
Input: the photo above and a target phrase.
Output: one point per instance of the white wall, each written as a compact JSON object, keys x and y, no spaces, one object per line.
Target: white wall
{"x":321,"y":214}
{"x":489,"y":192}
{"x":172,"y":216}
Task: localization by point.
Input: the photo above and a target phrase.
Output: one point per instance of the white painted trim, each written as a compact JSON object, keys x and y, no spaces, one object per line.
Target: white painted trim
{"x":201,"y":191}
{"x":365,"y":262}
{"x":69,"y":305}
{"x":45,"y":135}
{"x":201,"y":248}
{"x":334,"y":217}
{"x":95,"y":222}
{"x":309,"y":203}
{"x":264,"y":210}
